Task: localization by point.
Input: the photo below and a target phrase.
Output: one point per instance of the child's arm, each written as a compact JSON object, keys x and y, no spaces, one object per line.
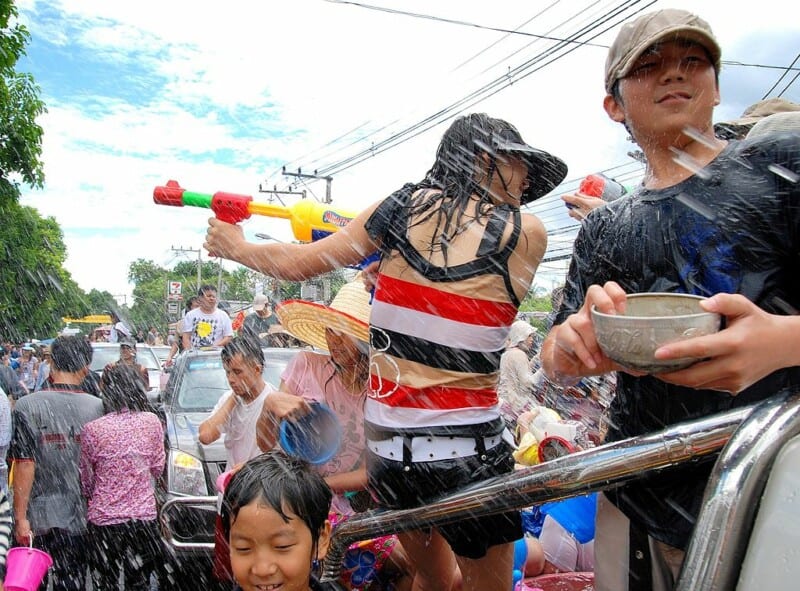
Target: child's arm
{"x":348,"y":481}
{"x":753,"y":345}
{"x":293,"y":262}
{"x":277,"y":406}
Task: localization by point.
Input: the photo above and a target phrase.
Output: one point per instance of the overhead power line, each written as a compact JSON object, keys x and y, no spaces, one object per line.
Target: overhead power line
{"x":506,"y":79}
{"x":532,"y":65}
{"x":455,"y":21}
{"x":778,"y":81}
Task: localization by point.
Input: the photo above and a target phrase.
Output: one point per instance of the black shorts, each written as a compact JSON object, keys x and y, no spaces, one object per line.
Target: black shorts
{"x":396,"y":488}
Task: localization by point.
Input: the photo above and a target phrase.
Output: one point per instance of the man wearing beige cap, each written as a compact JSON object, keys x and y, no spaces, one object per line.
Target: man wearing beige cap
{"x":711,"y":218}
{"x":261,"y":320}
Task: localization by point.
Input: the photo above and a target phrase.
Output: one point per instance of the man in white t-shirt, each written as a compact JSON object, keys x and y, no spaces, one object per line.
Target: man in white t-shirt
{"x":206,"y":326}
{"x":236,"y":414}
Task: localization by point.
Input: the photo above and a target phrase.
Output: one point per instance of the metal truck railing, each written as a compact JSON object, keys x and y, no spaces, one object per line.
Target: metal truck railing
{"x":601,"y":468}
{"x":165,"y":518}
{"x":754,"y":435}
{"x":722,"y":532}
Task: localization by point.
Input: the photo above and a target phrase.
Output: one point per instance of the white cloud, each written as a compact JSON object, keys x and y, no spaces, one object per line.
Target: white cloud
{"x":300,"y":74}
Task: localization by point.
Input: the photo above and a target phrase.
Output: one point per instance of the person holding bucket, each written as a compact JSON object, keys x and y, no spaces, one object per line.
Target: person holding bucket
{"x":335,"y":377}
{"x":45,"y":448}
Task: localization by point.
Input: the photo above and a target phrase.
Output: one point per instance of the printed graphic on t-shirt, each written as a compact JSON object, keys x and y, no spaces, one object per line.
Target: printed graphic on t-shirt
{"x":203,"y":332}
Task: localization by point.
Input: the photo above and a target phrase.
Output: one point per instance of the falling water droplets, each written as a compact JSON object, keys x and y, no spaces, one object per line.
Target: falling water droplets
{"x":695,"y":205}
{"x":784,"y":172}
{"x":689,"y":163}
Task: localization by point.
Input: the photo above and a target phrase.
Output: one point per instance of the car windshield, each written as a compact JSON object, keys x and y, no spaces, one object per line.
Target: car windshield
{"x":204,"y":381}
{"x":102,"y":356}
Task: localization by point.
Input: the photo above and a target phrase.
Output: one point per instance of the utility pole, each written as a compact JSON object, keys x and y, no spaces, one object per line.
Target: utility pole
{"x":301,"y":175}
{"x":199,"y":251}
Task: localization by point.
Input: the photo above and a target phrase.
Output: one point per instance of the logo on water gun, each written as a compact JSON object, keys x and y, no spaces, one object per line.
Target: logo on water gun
{"x":337,"y":219}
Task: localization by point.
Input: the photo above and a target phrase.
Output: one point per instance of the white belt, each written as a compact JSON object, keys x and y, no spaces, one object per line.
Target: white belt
{"x":431,"y":448}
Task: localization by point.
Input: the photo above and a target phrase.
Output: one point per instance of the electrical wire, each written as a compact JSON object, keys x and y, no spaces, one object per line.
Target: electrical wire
{"x":778,"y":81}
{"x":474,"y":97}
{"x":520,"y":72}
{"x":446,"y":20}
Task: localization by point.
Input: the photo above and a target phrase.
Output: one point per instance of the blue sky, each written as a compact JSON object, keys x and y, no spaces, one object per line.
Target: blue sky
{"x":219,"y":97}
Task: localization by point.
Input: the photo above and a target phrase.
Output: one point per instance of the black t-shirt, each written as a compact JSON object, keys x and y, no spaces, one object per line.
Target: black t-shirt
{"x":734,"y":227}
{"x":255,"y":325}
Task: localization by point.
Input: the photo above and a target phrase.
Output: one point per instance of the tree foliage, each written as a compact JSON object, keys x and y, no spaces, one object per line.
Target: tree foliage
{"x":150,"y":281}
{"x":35,"y":289}
{"x":20,"y":105}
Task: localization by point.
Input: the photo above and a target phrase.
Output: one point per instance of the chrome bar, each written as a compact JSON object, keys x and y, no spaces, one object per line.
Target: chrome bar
{"x":600,"y":468}
{"x":164,"y":520}
{"x":718,"y":547}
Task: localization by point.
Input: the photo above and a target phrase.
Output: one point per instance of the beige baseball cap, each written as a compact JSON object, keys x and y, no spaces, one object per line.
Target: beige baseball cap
{"x":635,"y":37}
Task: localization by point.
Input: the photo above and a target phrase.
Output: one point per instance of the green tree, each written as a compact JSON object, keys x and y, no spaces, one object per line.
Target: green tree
{"x":540,"y":304}
{"x":100,"y":302}
{"x":20,"y":105}
{"x":149,"y":295}
{"x":240,"y":284}
{"x":35,"y":289}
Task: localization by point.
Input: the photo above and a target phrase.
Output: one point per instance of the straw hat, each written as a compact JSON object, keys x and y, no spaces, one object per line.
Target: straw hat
{"x":347,"y":313}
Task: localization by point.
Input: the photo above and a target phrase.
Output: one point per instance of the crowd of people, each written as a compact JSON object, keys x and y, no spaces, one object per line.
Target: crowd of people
{"x":426,"y":366}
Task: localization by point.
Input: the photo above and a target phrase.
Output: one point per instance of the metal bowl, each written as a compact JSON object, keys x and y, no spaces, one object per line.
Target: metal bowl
{"x":650,"y":321}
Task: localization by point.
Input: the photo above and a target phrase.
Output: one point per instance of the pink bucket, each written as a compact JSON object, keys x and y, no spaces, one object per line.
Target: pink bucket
{"x":25,"y":568}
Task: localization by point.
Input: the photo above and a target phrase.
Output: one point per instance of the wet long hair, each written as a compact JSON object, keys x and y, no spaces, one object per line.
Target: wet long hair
{"x":361,"y":365}
{"x":455,"y":177}
{"x":284,"y":483}
{"x":123,"y":388}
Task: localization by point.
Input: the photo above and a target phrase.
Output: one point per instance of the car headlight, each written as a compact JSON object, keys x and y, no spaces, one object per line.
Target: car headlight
{"x":186,"y":475}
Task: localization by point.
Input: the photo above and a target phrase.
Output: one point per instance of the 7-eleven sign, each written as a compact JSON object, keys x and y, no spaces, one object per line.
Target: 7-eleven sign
{"x":174,"y":290}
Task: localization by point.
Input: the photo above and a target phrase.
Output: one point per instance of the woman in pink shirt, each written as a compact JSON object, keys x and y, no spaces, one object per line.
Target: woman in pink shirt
{"x":121,"y":455}
{"x":337,"y":374}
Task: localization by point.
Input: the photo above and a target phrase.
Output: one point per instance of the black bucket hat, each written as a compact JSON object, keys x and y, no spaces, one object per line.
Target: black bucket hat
{"x":545,"y":171}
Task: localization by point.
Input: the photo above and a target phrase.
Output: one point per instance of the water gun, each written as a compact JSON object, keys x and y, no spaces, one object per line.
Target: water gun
{"x":310,"y":220}
{"x":599,"y":185}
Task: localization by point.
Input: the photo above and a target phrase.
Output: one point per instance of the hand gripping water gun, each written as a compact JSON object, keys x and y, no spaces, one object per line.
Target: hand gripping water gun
{"x":310,"y":221}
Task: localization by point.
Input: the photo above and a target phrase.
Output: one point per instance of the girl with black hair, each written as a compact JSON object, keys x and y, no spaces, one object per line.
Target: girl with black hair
{"x":275,"y":517}
{"x":122,"y":453}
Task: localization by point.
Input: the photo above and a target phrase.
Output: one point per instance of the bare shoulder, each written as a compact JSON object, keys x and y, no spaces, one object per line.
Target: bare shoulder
{"x":536,"y":234}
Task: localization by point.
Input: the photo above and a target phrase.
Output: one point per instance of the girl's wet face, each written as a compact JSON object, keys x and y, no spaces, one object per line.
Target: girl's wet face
{"x":269,"y":553}
{"x":509,"y":180}
{"x":342,"y":347}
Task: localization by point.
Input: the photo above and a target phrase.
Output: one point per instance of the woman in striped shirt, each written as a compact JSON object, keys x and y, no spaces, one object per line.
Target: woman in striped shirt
{"x":458,"y":256}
